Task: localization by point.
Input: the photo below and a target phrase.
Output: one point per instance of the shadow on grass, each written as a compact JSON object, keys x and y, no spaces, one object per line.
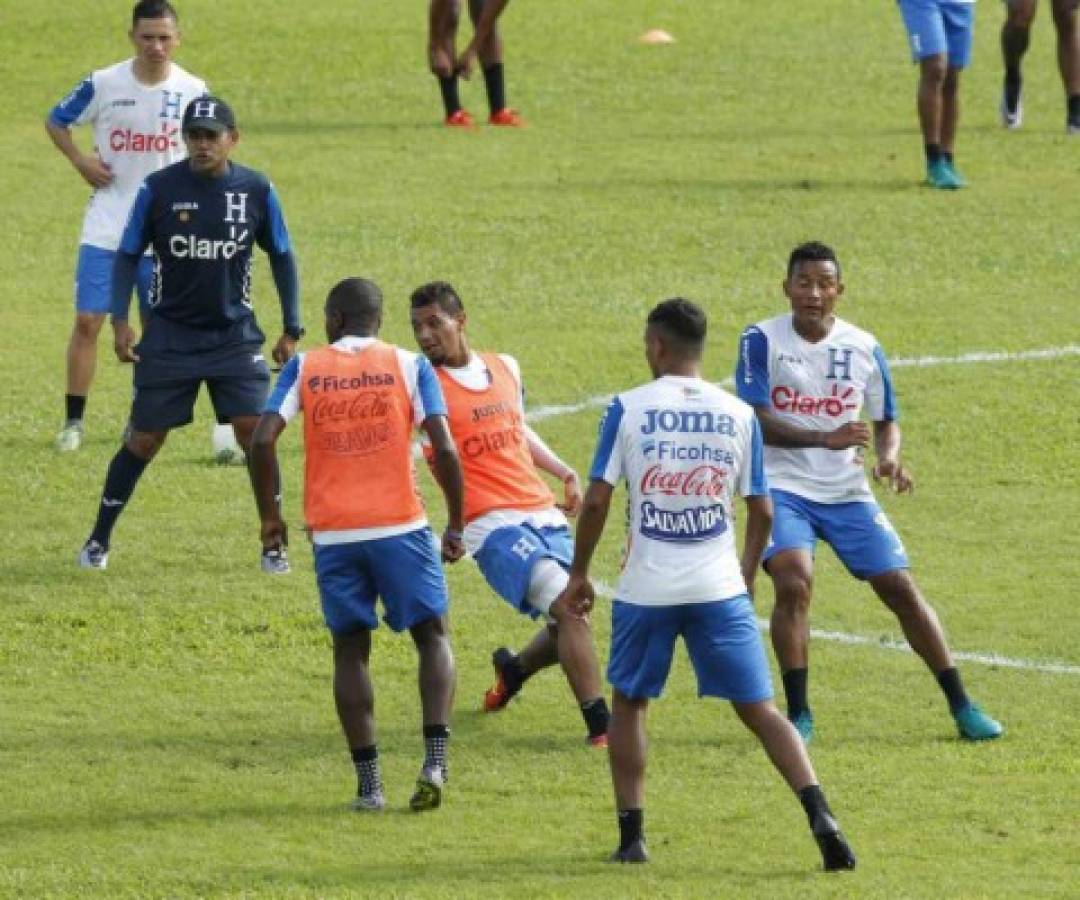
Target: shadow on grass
{"x":751,"y":184}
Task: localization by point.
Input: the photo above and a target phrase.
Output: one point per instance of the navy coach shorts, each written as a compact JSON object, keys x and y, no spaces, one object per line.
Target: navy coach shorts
{"x":167,"y":385}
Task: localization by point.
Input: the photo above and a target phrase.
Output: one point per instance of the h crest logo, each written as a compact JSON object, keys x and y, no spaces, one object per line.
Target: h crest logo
{"x":170,"y":104}
{"x":204,"y":109}
{"x":523,"y":548}
{"x":236,"y":208}
{"x":840,"y":362}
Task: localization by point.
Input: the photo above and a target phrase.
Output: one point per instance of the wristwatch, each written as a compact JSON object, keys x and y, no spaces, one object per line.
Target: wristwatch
{"x":295,"y":333}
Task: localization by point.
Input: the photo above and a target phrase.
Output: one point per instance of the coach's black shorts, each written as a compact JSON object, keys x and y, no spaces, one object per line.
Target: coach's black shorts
{"x":167,"y":384}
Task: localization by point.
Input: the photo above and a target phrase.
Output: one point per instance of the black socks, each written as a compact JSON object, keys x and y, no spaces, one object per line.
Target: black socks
{"x":120,"y":480}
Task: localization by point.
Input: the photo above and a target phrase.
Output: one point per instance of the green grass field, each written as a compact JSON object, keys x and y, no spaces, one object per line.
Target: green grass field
{"x":167,"y":727}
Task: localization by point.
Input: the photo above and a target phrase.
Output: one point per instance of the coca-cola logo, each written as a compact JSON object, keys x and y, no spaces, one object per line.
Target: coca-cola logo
{"x":365,"y":406}
{"x":701,"y":481}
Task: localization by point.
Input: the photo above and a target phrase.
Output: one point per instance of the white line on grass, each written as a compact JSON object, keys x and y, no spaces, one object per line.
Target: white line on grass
{"x":980,"y":356}
{"x":539,"y":413}
{"x":842,"y":637}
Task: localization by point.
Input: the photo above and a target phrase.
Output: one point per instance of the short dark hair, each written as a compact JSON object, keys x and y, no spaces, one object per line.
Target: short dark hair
{"x":441,"y":292}
{"x":812,"y":251}
{"x":682,"y":321}
{"x":153,"y":9}
{"x":360,"y":303}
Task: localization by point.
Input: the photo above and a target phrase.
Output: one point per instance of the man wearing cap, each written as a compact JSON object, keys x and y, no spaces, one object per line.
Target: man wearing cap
{"x":203,"y":217}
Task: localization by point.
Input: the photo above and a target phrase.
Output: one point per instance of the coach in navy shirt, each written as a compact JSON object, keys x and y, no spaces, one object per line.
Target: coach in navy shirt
{"x":203,"y":218}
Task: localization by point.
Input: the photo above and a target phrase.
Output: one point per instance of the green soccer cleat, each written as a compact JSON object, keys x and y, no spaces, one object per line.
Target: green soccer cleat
{"x":940,"y":175}
{"x":428,"y":793}
{"x":975,"y":725}
{"x":804,"y":724}
{"x":961,"y":181}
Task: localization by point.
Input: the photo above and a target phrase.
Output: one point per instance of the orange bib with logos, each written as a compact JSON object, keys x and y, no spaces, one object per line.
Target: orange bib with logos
{"x":489,"y":432}
{"x":358,"y":424}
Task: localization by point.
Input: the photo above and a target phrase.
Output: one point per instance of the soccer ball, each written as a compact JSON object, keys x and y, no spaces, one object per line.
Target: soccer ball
{"x":226,"y":451}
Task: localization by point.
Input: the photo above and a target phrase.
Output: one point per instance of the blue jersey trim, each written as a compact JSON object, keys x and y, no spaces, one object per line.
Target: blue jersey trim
{"x":891,"y":411}
{"x":609,"y":431}
{"x":68,"y":110}
{"x":758,"y":483}
{"x":289,"y":374}
{"x":279,"y":232}
{"x":752,"y":369}
{"x":134,"y":240}
{"x":429,"y":389}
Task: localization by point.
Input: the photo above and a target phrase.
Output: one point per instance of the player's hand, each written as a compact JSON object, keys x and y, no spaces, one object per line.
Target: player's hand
{"x":850,"y":434}
{"x":572,"y":503}
{"x":463,"y":66}
{"x":274,"y":534}
{"x":94,"y":171}
{"x":895,"y":475}
{"x":284,"y":350}
{"x":124,"y":341}
{"x":577,"y":597}
{"x":453,"y":546}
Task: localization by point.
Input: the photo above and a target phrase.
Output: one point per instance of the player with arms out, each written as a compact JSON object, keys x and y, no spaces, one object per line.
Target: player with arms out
{"x":685,"y":448}
{"x":513,"y":527}
{"x":808,"y":374}
{"x":360,"y":400}
{"x":486,"y":45}
{"x":134,"y":109}
{"x":1015,"y":37}
{"x":203,"y":217}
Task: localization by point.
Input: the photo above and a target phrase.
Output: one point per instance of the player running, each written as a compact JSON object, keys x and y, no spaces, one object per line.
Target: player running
{"x":360,"y":400}
{"x":486,"y":45}
{"x":808,"y":375}
{"x":203,"y":217}
{"x":685,"y":448}
{"x":1015,"y":36}
{"x":134,"y":109}
{"x":513,"y":527}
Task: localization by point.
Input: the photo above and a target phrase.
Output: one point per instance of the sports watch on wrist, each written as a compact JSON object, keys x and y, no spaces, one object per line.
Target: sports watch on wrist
{"x":295,"y":333}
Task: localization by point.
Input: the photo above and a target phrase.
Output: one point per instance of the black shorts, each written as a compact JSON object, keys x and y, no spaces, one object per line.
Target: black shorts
{"x":167,"y":385}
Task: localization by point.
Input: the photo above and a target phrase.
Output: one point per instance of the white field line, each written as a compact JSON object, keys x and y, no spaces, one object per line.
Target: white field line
{"x":842,"y":637}
{"x":990,"y":659}
{"x":539,"y":413}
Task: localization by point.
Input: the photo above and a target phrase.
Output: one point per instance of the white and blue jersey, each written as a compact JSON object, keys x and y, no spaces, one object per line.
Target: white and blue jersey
{"x":136,"y":132}
{"x":818,"y":386}
{"x":203,"y":232}
{"x":685,"y":448}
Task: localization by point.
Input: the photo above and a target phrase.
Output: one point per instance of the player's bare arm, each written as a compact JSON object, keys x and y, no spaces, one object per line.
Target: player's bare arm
{"x":759,"y":516}
{"x":93,"y":170}
{"x":446,"y":467}
{"x":889,"y":469}
{"x":546,"y":460}
{"x":779,"y":433}
{"x":264,"y":469}
{"x":579,"y":595}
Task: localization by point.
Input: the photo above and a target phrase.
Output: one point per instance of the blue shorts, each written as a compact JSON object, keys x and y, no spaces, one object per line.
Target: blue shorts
{"x":939,"y":27}
{"x":167,"y":385}
{"x":721,"y":638}
{"x":859,"y":533}
{"x":404,"y":571}
{"x":93,"y":280}
{"x":508,"y":556}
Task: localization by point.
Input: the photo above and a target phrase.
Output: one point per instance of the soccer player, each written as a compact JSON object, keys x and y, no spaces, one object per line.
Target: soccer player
{"x":513,"y":527}
{"x":808,"y":374}
{"x":203,"y":217}
{"x":134,"y":109}
{"x":940,"y":32}
{"x":1015,"y":36}
{"x":685,"y":448}
{"x":360,"y":400}
{"x":486,"y":45}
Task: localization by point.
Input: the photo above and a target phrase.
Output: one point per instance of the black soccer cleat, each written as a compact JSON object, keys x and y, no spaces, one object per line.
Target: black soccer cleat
{"x":836,"y":855}
{"x":503,"y":691}
{"x":634,"y":852}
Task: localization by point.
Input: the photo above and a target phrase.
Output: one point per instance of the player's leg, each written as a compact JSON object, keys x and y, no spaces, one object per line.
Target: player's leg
{"x":93,"y":297}
{"x":922,"y":628}
{"x":788,"y":754}
{"x":490,"y":53}
{"x":1067,"y":25}
{"x":443,"y":19}
{"x":438,"y":679}
{"x":512,"y":669}
{"x":959,"y":20}
{"x":347,"y":595}
{"x":627,"y":752}
{"x":789,"y":562}
{"x":1015,"y":37}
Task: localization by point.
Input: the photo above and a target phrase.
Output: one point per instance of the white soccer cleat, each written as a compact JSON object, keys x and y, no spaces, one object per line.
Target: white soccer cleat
{"x":227,"y":452}
{"x":70,"y":437}
{"x":1011,"y":118}
{"x":275,"y":561}
{"x":93,"y":556}
{"x":368,"y":803}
